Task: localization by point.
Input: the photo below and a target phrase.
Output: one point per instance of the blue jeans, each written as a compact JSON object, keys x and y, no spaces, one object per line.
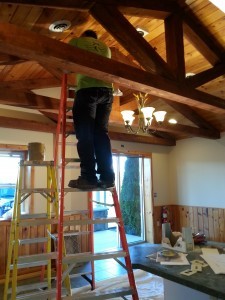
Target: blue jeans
{"x":91,"y":110}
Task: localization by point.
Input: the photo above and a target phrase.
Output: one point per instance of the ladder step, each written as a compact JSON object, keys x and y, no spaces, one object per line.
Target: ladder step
{"x":72,"y":160}
{"x":90,"y":221}
{"x":33,"y":241}
{"x":97,"y":189}
{"x":34,"y":222}
{"x":30,"y":287}
{"x":87,"y":256}
{"x":33,"y":163}
{"x":34,"y":216}
{"x":109,"y":294}
{"x":37,"y":190}
{"x":34,"y":260}
{"x":39,"y":295}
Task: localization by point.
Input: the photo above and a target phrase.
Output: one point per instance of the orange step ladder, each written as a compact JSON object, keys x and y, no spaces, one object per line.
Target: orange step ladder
{"x":61,"y":163}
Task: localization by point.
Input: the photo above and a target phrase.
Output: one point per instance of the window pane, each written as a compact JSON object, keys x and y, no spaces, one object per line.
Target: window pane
{"x":8,"y":176}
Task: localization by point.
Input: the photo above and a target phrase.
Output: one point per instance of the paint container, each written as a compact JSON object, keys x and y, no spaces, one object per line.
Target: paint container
{"x":188,"y":238}
{"x":36,"y":151}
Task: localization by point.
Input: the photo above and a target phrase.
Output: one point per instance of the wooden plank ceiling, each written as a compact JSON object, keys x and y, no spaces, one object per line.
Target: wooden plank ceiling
{"x":183,"y":37}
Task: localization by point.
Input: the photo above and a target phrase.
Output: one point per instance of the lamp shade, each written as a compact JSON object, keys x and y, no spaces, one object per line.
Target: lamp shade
{"x":128,"y":116}
{"x":160,"y":115}
{"x":147,"y":112}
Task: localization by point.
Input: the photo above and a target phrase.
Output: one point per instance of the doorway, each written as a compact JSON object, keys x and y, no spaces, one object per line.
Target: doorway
{"x":134,"y":195}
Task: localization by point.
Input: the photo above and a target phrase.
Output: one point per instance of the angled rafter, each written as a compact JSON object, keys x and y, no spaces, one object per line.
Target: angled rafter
{"x":189,"y":131}
{"x":30,"y":45}
{"x":200,"y":37}
{"x":206,"y":76}
{"x":145,"y":139}
{"x":23,"y":124}
{"x":153,"y":7}
{"x":66,"y":4}
{"x":30,"y":84}
{"x":130,"y":39}
{"x":6,"y":59}
{"x":27,"y":100}
{"x":193,"y":116}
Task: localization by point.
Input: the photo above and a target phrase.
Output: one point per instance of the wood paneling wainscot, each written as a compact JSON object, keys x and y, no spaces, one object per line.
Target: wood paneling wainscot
{"x":210,"y":221}
{"x":35,"y":232}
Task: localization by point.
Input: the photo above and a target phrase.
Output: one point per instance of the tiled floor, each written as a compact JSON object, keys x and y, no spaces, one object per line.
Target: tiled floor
{"x":104,"y":269}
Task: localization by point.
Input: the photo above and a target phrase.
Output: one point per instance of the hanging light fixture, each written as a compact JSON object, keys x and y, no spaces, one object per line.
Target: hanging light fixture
{"x":145,"y":116}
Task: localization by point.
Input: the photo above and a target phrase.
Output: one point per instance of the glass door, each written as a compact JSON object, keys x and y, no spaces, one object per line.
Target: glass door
{"x":129,"y":174}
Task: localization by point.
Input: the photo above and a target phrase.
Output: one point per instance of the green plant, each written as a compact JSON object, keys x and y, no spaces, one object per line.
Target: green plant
{"x":130,"y":197}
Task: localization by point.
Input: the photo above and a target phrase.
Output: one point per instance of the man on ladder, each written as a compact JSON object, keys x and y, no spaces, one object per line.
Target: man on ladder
{"x":91,"y":110}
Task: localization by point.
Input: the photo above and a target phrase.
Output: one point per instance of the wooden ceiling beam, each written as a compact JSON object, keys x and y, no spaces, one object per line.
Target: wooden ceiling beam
{"x":30,"y":45}
{"x":57,"y":4}
{"x":189,"y":131}
{"x":153,"y":7}
{"x":30,"y":84}
{"x":15,"y":123}
{"x":145,"y":139}
{"x":192,"y":115}
{"x":6,"y":59}
{"x":206,"y":76}
{"x":27,"y":100}
{"x":121,"y":29}
{"x":201,"y":38}
{"x":175,"y":45}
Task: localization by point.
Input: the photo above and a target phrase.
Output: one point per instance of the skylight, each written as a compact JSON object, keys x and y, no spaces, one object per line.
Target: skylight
{"x":219,"y":4}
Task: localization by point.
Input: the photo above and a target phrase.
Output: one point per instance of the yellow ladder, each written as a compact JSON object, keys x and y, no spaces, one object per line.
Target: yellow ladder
{"x":43,"y":245}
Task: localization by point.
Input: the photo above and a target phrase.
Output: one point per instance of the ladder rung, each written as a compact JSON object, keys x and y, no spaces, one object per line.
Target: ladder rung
{"x":30,"y":265}
{"x":109,"y":294}
{"x":37,"y":190}
{"x":87,"y":256}
{"x":72,"y":160}
{"x":34,"y":216}
{"x":90,"y":221}
{"x":69,"y":234}
{"x":74,"y":212}
{"x":33,"y":241}
{"x":30,"y":287}
{"x":103,"y":204}
{"x":34,"y":222}
{"x":70,"y":167}
{"x":31,"y":163}
{"x":41,"y":259}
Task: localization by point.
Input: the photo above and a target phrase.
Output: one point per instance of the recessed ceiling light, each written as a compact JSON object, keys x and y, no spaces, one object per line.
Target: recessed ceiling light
{"x":189,"y":74}
{"x":172,"y":121}
{"x":142,"y":31}
{"x":219,"y":4}
{"x":60,"y":26}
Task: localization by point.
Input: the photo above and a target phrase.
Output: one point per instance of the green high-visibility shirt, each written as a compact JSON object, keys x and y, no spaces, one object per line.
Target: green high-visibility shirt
{"x":95,"y":46}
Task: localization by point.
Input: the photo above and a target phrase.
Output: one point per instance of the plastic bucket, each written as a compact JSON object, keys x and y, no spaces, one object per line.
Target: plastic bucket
{"x":36,"y":151}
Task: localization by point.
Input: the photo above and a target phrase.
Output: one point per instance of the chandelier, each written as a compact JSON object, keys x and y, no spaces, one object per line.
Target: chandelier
{"x":145,"y":116}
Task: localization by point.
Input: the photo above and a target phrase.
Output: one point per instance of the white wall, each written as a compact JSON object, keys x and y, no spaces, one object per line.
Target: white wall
{"x":197,"y":173}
